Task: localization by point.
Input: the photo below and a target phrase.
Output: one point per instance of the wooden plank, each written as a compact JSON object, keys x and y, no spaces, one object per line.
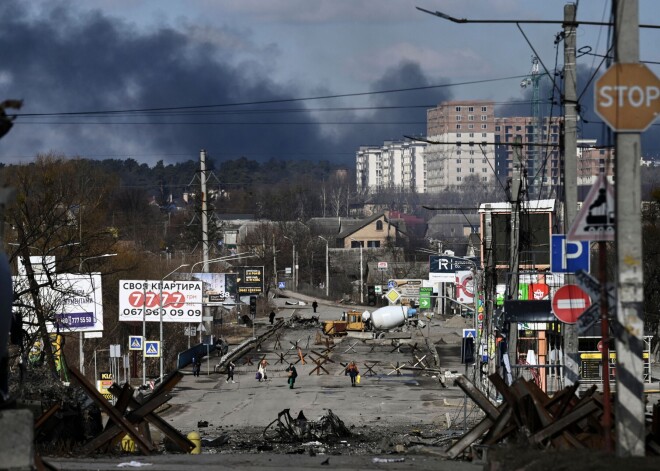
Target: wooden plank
{"x":469,"y":438}
{"x":135,"y":417}
{"x":173,"y":434}
{"x":145,"y":446}
{"x":507,"y":394}
{"x":44,"y":417}
{"x":501,"y":427}
{"x":564,"y":422}
{"x":478,"y":397}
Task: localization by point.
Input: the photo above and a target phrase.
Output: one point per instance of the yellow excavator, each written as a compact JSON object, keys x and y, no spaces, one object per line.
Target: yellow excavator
{"x":350,"y":321}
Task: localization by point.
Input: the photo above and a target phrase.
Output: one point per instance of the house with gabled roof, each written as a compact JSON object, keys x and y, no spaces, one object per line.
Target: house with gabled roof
{"x":374,"y":232}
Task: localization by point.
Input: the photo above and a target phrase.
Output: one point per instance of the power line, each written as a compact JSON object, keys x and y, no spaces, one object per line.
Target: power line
{"x":280,"y":100}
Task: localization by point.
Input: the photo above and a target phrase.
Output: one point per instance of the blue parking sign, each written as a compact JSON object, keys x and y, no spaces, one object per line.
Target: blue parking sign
{"x":281,"y":284}
{"x":568,"y":256}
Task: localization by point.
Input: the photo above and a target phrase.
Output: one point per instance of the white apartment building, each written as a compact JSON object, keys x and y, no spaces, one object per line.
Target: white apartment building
{"x":396,"y":165}
{"x":463,"y":136}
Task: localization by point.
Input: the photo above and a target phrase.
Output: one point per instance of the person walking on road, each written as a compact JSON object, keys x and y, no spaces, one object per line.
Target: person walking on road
{"x":315,"y":305}
{"x":271,"y":316}
{"x":293,"y":374}
{"x":261,"y":372}
{"x":352,"y":371}
{"x":196,"y":366}
{"x":230,"y":372}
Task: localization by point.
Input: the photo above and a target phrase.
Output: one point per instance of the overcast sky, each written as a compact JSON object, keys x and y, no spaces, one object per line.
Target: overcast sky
{"x":213,"y":72}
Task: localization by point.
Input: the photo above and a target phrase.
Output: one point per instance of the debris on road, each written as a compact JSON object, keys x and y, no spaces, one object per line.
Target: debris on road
{"x":286,"y":429}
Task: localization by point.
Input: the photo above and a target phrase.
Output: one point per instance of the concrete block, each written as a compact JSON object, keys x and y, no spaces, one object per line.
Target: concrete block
{"x":17,"y":444}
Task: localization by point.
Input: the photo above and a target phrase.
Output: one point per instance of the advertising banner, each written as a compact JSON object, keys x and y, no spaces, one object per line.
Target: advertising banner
{"x":217,"y":288}
{"x":250,"y":280}
{"x":176,"y":301}
{"x":75,"y":299}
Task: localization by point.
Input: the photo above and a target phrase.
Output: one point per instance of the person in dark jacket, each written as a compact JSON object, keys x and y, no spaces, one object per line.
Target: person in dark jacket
{"x":352,"y":371}
{"x":230,"y":372}
{"x":271,"y":317}
{"x":315,"y":305}
{"x":293,"y":374}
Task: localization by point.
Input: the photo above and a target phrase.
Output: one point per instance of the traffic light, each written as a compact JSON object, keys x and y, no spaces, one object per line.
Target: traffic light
{"x":467,"y":350}
{"x":372,"y":299}
{"x":253,"y":306}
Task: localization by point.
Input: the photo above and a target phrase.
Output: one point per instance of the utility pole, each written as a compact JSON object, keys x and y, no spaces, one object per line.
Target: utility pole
{"x":630,"y":421}
{"x":517,"y":189}
{"x":208,"y":325}
{"x":570,"y":360}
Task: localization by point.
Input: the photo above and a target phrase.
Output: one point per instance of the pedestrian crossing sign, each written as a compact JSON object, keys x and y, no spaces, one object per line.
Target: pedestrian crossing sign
{"x":152,"y":349}
{"x":135,"y":342}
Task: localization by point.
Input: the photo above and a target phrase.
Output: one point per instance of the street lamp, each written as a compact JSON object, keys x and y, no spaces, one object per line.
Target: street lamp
{"x":327,"y":267}
{"x":80,"y":267}
{"x":160,"y":317}
{"x":293,"y":262}
{"x":361,"y":272}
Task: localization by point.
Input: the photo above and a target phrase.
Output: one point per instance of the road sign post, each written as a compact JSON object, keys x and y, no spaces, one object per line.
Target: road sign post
{"x":627,"y":97}
{"x":569,"y":302}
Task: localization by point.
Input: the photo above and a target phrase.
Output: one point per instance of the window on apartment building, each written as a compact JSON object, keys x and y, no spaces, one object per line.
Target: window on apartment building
{"x":458,"y":169}
{"x":379,"y":225}
{"x":484,"y":117}
{"x":483,"y":134}
{"x":458,"y":161}
{"x":458,"y":179}
{"x":458,"y":126}
{"x":470,"y":109}
{"x":484,"y":179}
{"x":498,"y":128}
{"x":458,"y":108}
{"x":470,"y":126}
{"x":484,"y":170}
{"x":458,"y":152}
{"x":484,"y":126}
{"x":471,"y":117}
{"x":471,"y":152}
{"x":458,"y":134}
{"x":458,"y":117}
{"x":484,"y":109}
{"x":483,"y":161}
{"x":471,"y":161}
{"x":472,"y":135}
{"x":471,"y":169}
{"x":374,"y":244}
{"x":518,"y":128}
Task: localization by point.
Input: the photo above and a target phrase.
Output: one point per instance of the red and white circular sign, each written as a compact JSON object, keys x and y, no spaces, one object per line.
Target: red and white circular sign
{"x":569,"y":302}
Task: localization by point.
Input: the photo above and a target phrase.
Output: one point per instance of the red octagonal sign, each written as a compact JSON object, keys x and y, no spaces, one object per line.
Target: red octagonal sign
{"x":569,"y":302}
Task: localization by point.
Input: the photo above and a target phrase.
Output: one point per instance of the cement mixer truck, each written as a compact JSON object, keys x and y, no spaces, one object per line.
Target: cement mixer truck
{"x":381,"y":320}
{"x":390,"y":317}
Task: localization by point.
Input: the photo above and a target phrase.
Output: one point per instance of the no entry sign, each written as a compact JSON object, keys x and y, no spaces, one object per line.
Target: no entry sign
{"x":569,"y":302}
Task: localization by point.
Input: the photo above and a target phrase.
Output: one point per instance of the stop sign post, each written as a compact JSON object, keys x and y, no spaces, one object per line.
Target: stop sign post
{"x":627,"y":97}
{"x":569,"y":302}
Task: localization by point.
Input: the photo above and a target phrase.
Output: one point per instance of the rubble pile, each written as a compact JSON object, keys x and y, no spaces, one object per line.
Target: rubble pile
{"x":298,"y":322}
{"x":287,"y":429}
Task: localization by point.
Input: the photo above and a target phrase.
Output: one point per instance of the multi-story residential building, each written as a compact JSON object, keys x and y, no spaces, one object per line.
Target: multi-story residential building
{"x":541,"y":159}
{"x":396,"y":165}
{"x":592,"y":161}
{"x":462,"y":133}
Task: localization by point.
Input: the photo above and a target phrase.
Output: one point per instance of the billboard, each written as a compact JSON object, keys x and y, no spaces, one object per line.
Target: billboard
{"x":217,"y":288}
{"x":443,"y":268}
{"x":174,"y":300}
{"x":250,"y":280}
{"x":74,"y":301}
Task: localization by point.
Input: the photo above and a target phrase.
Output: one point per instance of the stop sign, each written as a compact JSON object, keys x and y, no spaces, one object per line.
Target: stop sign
{"x":627,"y":97}
{"x":569,"y":302}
